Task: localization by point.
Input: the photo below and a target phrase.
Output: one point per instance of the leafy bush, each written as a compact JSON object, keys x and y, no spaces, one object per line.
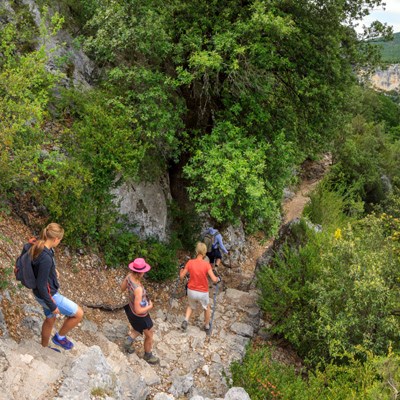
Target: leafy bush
{"x":361,"y":375}
{"x":363,"y":156}
{"x":162,"y":258}
{"x":259,"y":375}
{"x":232,"y":175}
{"x":123,"y":247}
{"x":25,"y":87}
{"x":332,"y":207}
{"x":337,"y":291}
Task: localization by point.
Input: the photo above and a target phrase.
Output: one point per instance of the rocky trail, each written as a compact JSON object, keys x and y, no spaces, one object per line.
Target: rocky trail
{"x":192,"y":365}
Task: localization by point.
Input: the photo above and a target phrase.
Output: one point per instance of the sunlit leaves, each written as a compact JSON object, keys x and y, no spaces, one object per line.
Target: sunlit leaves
{"x":24,"y":91}
{"x":231,"y":172}
{"x":332,"y":294}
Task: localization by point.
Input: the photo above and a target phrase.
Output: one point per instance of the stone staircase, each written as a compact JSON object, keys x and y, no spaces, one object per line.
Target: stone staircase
{"x":192,"y":365}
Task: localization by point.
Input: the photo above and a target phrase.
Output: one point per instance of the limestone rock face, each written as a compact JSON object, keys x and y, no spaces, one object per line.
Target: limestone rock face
{"x":387,"y":79}
{"x":77,"y":66}
{"x":146,"y":206}
{"x":235,"y":241}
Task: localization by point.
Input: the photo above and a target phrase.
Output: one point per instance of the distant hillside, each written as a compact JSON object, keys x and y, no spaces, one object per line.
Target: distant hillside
{"x":390,"y":50}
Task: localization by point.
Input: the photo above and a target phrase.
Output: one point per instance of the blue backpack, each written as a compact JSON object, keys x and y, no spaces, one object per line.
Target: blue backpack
{"x":23,"y":268}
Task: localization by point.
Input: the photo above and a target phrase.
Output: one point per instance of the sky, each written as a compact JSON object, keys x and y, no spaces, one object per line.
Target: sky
{"x":391,"y":15}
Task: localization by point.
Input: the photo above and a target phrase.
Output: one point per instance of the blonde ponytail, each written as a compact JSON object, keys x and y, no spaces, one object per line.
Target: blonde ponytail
{"x":52,"y":231}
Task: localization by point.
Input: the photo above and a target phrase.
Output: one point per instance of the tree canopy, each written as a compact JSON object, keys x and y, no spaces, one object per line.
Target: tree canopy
{"x":233,"y":94}
{"x":231,"y":82}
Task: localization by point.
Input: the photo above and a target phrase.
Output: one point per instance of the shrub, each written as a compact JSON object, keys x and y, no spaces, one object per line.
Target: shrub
{"x":332,"y":207}
{"x":259,"y":375}
{"x":162,"y":258}
{"x":121,"y":248}
{"x":337,"y":291}
{"x":25,"y":86}
{"x":361,"y":375}
{"x":125,"y":246}
{"x":239,"y":177}
{"x":362,"y":156}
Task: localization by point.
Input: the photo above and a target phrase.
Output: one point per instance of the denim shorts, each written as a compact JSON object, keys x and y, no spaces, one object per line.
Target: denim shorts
{"x":66,"y":307}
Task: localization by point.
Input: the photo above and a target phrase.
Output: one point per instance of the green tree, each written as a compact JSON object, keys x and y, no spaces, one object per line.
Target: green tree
{"x":276,"y":73}
{"x":25,"y":86}
{"x":242,"y":176}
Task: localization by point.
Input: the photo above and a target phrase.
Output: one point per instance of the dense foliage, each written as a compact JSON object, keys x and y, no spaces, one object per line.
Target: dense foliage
{"x":334,"y":294}
{"x":337,"y":291}
{"x":67,"y":161}
{"x":362,"y":376}
{"x":232,"y":95}
{"x":237,"y":93}
{"x":25,"y":86}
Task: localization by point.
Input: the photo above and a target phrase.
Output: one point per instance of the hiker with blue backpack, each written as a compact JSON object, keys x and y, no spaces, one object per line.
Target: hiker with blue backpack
{"x":46,"y":291}
{"x":214,"y":243}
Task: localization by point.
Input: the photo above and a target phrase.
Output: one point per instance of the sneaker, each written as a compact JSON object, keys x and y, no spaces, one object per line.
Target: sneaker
{"x":64,"y":343}
{"x":184,"y":325}
{"x":151,"y":358}
{"x":128,"y":345}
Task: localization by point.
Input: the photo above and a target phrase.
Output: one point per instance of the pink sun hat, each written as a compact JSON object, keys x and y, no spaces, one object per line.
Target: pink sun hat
{"x":139,"y":265}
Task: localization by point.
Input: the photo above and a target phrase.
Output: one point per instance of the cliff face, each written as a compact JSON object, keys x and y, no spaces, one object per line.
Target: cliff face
{"x":387,"y":79}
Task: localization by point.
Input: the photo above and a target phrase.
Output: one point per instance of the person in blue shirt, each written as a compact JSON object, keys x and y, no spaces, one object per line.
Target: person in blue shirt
{"x":217,"y":246}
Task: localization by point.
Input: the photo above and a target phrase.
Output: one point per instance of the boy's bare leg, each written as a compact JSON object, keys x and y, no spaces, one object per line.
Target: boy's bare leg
{"x":47,"y":327}
{"x":71,"y":322}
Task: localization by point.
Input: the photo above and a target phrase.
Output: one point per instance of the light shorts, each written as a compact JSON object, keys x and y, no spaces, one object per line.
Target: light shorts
{"x":194,"y":297}
{"x":66,"y":307}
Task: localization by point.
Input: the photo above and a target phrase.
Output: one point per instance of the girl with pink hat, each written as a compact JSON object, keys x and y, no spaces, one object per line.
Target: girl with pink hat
{"x":137,"y":309}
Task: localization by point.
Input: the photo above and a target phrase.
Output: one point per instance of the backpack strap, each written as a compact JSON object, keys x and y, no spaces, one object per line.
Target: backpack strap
{"x":214,"y":242}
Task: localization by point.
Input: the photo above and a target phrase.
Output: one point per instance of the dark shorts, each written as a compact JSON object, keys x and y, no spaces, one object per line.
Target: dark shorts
{"x":213,"y":255}
{"x":139,"y":324}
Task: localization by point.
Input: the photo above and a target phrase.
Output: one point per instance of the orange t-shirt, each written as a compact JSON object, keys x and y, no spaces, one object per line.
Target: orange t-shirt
{"x":198,"y":275}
